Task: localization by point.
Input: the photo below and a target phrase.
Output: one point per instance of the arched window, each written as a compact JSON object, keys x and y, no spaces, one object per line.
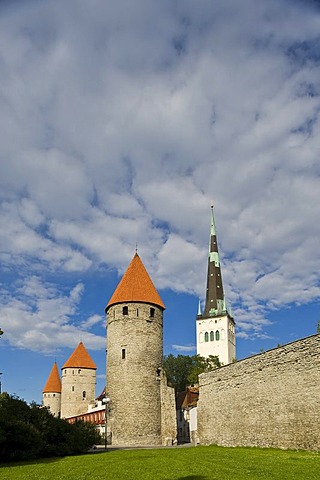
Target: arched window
{"x":211,"y":336}
{"x":217,"y":335}
{"x":206,"y":337}
{"x":223,"y":334}
{"x":200,"y":337}
{"x":125,"y":310}
{"x":84,"y":394}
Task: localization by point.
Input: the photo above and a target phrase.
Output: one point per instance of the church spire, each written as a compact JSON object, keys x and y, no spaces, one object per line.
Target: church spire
{"x":215,"y":303}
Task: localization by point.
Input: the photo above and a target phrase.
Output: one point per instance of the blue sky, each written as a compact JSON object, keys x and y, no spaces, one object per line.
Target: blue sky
{"x":120,"y":122}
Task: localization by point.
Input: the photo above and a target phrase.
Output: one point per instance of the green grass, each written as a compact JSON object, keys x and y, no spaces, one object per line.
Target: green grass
{"x":194,"y":463}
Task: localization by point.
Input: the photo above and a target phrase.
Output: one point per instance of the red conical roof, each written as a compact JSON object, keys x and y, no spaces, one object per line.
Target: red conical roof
{"x":136,"y":286}
{"x":80,"y":358}
{"x":53,"y":383}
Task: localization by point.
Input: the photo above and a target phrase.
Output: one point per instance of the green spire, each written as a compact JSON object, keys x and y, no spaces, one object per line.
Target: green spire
{"x":199,"y":308}
{"x":213,"y":226}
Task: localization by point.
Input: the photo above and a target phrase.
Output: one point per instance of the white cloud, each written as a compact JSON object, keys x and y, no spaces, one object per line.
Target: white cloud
{"x":184,"y":348}
{"x":121,"y":121}
{"x":37,"y":317}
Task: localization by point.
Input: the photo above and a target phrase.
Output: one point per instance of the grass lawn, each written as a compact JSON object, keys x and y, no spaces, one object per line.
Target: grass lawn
{"x":193,"y":463}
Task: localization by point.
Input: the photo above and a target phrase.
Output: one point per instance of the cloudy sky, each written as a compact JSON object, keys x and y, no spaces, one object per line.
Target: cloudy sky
{"x":120,"y":122}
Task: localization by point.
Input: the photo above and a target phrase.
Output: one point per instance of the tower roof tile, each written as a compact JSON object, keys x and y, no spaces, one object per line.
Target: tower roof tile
{"x":80,"y":358}
{"x":53,"y":383}
{"x":136,"y":286}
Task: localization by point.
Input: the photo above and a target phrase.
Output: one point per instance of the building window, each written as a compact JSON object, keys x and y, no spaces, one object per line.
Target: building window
{"x":200,"y":337}
{"x":72,"y":388}
{"x":79,"y":371}
{"x":211,"y":336}
{"x":206,"y":337}
{"x":125,"y":310}
{"x":84,"y":394}
{"x":137,"y":312}
{"x":152,"y":312}
{"x":217,"y":335}
{"x":123,"y":353}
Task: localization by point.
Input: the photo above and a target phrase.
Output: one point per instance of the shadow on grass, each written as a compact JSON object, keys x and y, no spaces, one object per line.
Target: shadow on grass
{"x":34,"y":461}
{"x":193,"y":477}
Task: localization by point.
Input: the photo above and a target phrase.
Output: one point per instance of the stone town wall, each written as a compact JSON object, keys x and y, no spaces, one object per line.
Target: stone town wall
{"x":269,"y":400}
{"x":168,"y":413}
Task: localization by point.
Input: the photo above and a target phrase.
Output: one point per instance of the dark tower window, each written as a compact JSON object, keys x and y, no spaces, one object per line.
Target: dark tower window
{"x":84,"y":394}
{"x":125,"y":310}
{"x":211,"y":336}
{"x":217,"y":335}
{"x":206,"y":337}
{"x":152,"y":312}
{"x":123,"y":353}
{"x":72,"y":389}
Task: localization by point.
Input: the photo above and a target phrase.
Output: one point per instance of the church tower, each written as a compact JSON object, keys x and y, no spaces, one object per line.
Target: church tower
{"x":78,"y":383}
{"x":136,"y":384}
{"x":215,"y":327}
{"x":51,"y":395}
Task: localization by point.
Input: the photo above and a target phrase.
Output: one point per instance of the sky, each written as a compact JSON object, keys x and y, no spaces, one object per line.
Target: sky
{"x":120,"y":123}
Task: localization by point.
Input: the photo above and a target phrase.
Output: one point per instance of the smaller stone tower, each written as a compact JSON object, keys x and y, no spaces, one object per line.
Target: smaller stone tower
{"x":51,"y":395}
{"x":78,"y":383}
{"x":215,"y":327}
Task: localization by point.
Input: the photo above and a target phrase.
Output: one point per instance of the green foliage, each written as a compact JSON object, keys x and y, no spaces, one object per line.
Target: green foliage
{"x":197,"y":463}
{"x":184,"y":370}
{"x":28,"y":432}
{"x":1,"y":332}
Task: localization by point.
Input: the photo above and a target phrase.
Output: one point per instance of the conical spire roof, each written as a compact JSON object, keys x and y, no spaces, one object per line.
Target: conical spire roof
{"x":53,"y":383}
{"x":136,"y":286}
{"x":80,"y":358}
{"x":215,"y":303}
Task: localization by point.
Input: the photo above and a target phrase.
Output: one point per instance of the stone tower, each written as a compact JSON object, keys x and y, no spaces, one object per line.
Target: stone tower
{"x":215,"y":327}
{"x":78,"y":383}
{"x":51,"y":395}
{"x":142,"y":410}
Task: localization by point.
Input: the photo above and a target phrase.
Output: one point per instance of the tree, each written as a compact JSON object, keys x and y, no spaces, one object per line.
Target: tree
{"x":184,"y":370}
{"x":28,"y":432}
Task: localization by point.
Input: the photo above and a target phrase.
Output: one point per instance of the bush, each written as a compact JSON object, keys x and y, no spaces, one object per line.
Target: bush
{"x":28,"y":432}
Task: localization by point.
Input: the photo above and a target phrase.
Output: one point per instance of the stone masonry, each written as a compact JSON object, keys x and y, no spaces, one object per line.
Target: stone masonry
{"x":134,"y":373}
{"x":268,"y":400}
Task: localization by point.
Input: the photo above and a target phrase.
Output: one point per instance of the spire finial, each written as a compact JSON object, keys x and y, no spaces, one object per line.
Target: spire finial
{"x":136,"y":247}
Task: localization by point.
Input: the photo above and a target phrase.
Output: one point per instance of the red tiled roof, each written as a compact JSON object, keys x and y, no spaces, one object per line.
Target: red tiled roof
{"x":53,"y":383}
{"x":136,"y":286}
{"x":80,"y":358}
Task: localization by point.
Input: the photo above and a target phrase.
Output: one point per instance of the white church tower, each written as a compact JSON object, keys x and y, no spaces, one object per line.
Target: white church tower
{"x":215,"y":327}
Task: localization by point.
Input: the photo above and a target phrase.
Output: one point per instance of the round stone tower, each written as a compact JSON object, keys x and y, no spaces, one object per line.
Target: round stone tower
{"x":51,"y":395}
{"x":78,"y":383}
{"x":134,"y":358}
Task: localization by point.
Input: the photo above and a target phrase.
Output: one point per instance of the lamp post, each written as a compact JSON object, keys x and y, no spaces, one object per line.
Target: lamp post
{"x":106,"y":401}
